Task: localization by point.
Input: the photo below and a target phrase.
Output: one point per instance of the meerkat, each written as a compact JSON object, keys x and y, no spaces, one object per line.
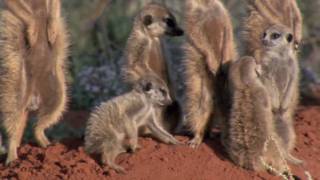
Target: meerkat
{"x":260,"y":133}
{"x":113,"y":126}
{"x":144,"y":53}
{"x":249,"y":137}
{"x":263,"y":13}
{"x":209,"y":46}
{"x":33,"y":50}
{"x":280,"y":75}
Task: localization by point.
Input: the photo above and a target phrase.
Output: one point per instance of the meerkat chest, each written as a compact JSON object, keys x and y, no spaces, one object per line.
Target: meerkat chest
{"x":155,"y":58}
{"x":142,"y":117}
{"x":277,"y":73}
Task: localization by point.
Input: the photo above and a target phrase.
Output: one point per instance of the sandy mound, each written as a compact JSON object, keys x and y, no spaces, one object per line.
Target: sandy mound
{"x":67,"y":160}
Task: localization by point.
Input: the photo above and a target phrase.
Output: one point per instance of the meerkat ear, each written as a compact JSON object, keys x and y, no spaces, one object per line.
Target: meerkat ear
{"x":290,"y":38}
{"x":147,"y":20}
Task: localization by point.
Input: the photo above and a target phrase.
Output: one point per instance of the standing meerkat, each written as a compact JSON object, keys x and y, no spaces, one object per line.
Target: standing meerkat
{"x":113,"y":127}
{"x":209,"y":46}
{"x":33,"y":50}
{"x":249,"y":137}
{"x":260,"y":134}
{"x":263,"y":13}
{"x":144,"y":53}
{"x":280,"y":75}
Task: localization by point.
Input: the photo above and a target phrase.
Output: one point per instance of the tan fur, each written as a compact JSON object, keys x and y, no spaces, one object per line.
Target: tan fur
{"x":280,"y":75}
{"x":210,"y":45}
{"x":263,"y":13}
{"x":113,"y":127}
{"x":144,"y":52}
{"x":33,"y":50}
{"x":260,"y":132}
{"x":250,"y":128}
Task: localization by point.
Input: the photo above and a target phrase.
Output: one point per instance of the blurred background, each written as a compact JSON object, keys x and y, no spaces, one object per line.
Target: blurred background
{"x":99,"y":30}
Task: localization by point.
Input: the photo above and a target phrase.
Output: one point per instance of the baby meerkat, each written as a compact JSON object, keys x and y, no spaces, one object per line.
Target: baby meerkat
{"x":33,"y":50}
{"x":113,"y":127}
{"x":209,"y":46}
{"x":263,"y":13}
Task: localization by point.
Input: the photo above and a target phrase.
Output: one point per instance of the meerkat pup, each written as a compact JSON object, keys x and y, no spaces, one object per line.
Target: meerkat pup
{"x":263,"y":13}
{"x":260,"y":133}
{"x":33,"y":49}
{"x":144,"y":53}
{"x":209,"y":46}
{"x":113,"y":127}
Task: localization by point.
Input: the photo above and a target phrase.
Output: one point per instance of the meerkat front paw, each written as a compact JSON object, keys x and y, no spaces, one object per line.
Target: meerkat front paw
{"x":195,"y":142}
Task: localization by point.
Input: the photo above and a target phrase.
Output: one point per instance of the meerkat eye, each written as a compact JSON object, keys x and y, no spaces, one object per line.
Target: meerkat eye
{"x":275,"y":36}
{"x":170,"y":22}
{"x":290,"y":38}
{"x":147,"y":87}
{"x":147,"y":20}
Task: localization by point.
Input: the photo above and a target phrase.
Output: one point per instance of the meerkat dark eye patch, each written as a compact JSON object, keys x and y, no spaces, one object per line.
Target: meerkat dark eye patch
{"x":170,"y":22}
{"x":275,"y":36}
{"x":147,"y":20}
{"x":290,"y":38}
{"x":147,"y":87}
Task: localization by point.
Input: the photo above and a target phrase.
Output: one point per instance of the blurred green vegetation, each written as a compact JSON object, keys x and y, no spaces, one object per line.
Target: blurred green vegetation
{"x":98,"y":41}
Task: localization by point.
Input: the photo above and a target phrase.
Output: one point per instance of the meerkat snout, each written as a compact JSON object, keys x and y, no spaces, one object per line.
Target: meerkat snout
{"x":159,"y":21}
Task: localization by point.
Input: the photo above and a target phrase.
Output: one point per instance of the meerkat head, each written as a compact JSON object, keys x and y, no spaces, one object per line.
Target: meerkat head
{"x":277,"y":37}
{"x":157,"y":20}
{"x":155,"y":90}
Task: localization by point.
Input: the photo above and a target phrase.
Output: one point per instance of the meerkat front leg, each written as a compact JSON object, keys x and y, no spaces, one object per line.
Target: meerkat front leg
{"x":131,"y":130}
{"x":15,"y":125}
{"x":24,"y":12}
{"x":158,"y":132}
{"x":200,"y":42}
{"x":297,"y":23}
{"x":53,"y":24}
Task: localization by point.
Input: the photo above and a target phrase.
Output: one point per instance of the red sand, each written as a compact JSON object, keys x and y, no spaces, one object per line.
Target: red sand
{"x":156,"y":161}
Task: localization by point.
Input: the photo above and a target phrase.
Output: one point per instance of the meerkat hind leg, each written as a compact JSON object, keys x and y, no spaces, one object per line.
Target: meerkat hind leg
{"x":15,"y":134}
{"x":200,"y":128}
{"x":53,"y":98}
{"x":109,"y":155}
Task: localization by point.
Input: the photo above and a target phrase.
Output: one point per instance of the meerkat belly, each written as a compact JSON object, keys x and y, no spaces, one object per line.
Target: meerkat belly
{"x":156,"y":61}
{"x":277,"y":81}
